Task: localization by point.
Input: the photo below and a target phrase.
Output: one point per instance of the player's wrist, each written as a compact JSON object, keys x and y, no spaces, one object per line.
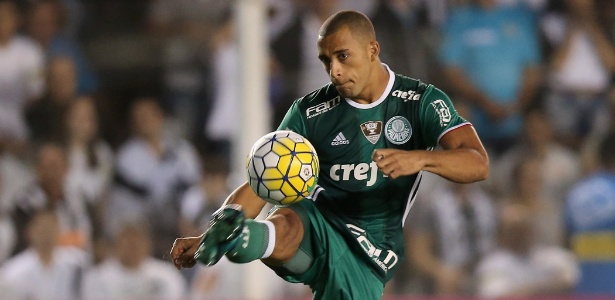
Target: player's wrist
{"x":425,"y":159}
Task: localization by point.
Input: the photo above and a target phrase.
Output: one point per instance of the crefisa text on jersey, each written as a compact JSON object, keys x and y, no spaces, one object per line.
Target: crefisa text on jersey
{"x":407,"y":96}
{"x":324,"y":107}
{"x":358,"y":171}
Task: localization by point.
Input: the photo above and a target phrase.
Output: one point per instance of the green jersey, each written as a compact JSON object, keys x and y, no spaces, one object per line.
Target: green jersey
{"x":354,"y":196}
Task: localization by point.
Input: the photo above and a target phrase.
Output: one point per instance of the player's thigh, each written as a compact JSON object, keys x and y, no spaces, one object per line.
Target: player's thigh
{"x":349,"y":278}
{"x":324,"y":261}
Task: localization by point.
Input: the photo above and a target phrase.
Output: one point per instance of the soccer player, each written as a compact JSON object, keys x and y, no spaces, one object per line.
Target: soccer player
{"x":374,"y":132}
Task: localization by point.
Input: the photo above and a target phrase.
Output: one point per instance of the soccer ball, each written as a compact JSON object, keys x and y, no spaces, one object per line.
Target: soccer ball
{"x":282,"y":167}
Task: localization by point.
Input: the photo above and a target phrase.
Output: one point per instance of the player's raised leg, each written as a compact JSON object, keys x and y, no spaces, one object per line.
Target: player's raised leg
{"x":241,"y":239}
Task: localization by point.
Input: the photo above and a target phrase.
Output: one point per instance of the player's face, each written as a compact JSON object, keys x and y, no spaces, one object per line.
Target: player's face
{"x":346,"y":60}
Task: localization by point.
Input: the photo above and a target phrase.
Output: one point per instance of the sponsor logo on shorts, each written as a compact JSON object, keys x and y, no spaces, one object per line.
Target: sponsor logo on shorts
{"x":372,"y":130}
{"x":398,"y":130}
{"x":386,"y":259}
{"x":322,"y":108}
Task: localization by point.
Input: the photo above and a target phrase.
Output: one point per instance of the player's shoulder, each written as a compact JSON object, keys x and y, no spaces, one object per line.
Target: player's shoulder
{"x":319,"y":101}
{"x":411,"y":89}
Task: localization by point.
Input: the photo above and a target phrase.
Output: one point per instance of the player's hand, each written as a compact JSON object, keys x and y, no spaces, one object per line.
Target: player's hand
{"x":395,"y":162}
{"x":183,"y":251}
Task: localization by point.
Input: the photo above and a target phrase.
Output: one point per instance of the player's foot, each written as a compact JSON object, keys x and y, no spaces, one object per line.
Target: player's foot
{"x":222,"y":236}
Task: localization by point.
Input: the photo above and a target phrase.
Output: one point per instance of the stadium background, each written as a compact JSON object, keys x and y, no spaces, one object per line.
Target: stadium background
{"x":130,"y":122}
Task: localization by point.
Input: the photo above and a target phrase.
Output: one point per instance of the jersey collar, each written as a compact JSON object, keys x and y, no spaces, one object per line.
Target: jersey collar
{"x":384,"y":95}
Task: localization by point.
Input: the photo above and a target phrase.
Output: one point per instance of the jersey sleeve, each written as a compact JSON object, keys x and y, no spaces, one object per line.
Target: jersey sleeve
{"x":293,"y":120}
{"x":438,"y":116}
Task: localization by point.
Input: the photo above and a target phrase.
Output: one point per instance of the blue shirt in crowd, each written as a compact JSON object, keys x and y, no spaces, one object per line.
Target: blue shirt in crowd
{"x":590,"y":220}
{"x":493,"y":47}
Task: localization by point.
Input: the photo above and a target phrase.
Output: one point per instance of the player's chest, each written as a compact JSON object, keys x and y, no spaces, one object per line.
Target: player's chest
{"x":352,"y":135}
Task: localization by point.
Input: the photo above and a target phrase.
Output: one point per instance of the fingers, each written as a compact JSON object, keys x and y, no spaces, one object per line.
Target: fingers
{"x":182,"y":253}
{"x":379,"y":154}
{"x":388,"y":163}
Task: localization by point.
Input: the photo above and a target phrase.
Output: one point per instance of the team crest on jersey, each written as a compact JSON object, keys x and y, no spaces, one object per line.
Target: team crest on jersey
{"x":372,"y":130}
{"x":398,"y":130}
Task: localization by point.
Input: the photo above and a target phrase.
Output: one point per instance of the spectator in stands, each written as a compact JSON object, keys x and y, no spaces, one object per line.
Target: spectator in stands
{"x":50,"y":192}
{"x":45,"y":270}
{"x":222,"y":127}
{"x":43,"y":115}
{"x":90,"y":158}
{"x":132,"y":272}
{"x":90,"y":165}
{"x":404,"y":44}
{"x":15,"y":175}
{"x":558,"y":167}
{"x":153,"y":170}
{"x":21,"y":76}
{"x":521,"y":267}
{"x":590,"y":222}
{"x":205,"y":197}
{"x":452,"y":229}
{"x":543,"y":211}
{"x":301,"y":71}
{"x":589,"y":150}
{"x":581,"y":65}
{"x":7,"y":236}
{"x":491,"y":58}
{"x":45,"y":20}
{"x":186,"y":29}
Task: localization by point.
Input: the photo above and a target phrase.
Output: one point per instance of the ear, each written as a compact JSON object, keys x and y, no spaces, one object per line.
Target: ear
{"x":374,"y":50}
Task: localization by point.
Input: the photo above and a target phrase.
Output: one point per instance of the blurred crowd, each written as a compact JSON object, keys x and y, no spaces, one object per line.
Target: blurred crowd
{"x":117,"y":119}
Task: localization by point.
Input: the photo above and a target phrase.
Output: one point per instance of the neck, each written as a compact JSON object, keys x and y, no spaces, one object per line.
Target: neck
{"x":155,"y":142}
{"x":371,"y":93}
{"x":78,"y":143}
{"x":54,"y":193}
{"x":4,"y":41}
{"x":45,"y":255}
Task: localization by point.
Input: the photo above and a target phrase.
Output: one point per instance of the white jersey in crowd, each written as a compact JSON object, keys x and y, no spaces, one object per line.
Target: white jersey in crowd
{"x":91,"y":182}
{"x":154,"y":279}
{"x":21,"y":80}
{"x":25,"y":277}
{"x":152,"y":182}
{"x":503,"y":273}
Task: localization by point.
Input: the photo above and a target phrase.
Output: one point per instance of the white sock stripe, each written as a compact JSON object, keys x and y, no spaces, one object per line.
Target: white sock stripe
{"x":271,"y":233}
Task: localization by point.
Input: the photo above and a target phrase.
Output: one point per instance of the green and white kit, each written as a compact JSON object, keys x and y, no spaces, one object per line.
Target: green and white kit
{"x":354,"y":201}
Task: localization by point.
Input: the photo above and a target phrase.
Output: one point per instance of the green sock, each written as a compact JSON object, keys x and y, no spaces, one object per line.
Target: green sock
{"x":255,"y":242}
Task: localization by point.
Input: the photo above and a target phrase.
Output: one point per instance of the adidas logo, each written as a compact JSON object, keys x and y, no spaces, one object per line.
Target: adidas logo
{"x":340,"y":139}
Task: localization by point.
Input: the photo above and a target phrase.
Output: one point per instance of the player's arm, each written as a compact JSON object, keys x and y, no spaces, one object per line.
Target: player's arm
{"x":245,"y":196}
{"x":462,"y":158}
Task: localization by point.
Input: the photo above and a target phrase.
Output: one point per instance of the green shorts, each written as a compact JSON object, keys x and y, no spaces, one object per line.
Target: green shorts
{"x":336,"y":272}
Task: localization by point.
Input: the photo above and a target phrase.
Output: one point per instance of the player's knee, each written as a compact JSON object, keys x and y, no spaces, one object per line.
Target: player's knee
{"x":289,"y":233}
